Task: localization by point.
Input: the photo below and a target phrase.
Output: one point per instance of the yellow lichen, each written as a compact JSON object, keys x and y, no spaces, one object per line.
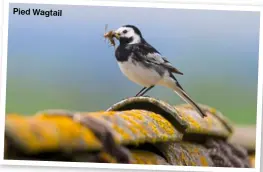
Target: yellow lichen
{"x":193,"y":124}
{"x":58,"y":132}
{"x":123,"y":134}
{"x":163,"y":123}
{"x":138,"y":130}
{"x":107,"y":158}
{"x":252,"y":160}
{"x":145,"y":157}
{"x":203,"y":160}
{"x":212,"y":110}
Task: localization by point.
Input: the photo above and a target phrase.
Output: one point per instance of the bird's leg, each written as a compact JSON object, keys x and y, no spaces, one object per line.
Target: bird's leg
{"x":142,"y":92}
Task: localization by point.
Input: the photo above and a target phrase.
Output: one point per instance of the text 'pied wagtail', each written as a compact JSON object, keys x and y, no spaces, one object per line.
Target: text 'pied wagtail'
{"x":144,"y":65}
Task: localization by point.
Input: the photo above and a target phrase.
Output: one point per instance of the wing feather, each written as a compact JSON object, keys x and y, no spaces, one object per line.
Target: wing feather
{"x":146,"y":52}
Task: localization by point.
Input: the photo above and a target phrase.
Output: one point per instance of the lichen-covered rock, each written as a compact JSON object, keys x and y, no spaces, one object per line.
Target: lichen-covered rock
{"x":183,"y":117}
{"x":137,"y":130}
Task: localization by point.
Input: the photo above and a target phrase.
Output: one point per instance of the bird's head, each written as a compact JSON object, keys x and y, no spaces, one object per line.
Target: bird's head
{"x":128,"y":34}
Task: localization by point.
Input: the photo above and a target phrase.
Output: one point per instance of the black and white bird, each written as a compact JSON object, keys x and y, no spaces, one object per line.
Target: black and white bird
{"x":144,"y":65}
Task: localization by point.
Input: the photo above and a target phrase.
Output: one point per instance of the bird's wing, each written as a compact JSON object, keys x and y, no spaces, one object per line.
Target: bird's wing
{"x":169,"y":65}
{"x":151,"y":55}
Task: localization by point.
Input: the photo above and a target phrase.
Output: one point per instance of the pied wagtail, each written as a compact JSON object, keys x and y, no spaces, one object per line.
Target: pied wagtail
{"x":144,"y":65}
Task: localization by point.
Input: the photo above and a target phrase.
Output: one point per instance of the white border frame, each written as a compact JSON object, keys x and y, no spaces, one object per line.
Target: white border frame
{"x":254,"y":6}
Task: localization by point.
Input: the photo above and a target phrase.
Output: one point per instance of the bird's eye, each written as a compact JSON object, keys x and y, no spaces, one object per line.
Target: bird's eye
{"x":125,"y":31}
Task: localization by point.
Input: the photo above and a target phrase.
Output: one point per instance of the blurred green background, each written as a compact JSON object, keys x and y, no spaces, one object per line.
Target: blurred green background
{"x":63,"y":62}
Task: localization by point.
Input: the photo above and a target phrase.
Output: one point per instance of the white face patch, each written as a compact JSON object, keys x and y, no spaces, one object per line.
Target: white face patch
{"x":127,"y":32}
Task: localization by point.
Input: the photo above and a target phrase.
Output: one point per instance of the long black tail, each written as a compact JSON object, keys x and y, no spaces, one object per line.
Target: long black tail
{"x":179,"y":90}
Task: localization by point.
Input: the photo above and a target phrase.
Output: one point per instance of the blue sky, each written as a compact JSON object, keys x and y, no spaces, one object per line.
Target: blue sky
{"x":63,"y":62}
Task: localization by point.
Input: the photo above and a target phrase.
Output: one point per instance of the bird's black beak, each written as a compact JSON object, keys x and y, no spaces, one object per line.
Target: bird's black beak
{"x":117,"y":35}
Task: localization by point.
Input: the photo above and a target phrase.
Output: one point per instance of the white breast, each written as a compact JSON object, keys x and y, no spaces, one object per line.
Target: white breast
{"x":139,"y":74}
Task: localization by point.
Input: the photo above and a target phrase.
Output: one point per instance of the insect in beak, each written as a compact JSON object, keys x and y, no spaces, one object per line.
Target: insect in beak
{"x":109,"y":35}
{"x":117,"y":35}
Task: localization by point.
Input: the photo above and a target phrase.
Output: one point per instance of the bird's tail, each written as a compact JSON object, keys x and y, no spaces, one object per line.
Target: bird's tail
{"x":171,"y":82}
{"x":179,"y":90}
